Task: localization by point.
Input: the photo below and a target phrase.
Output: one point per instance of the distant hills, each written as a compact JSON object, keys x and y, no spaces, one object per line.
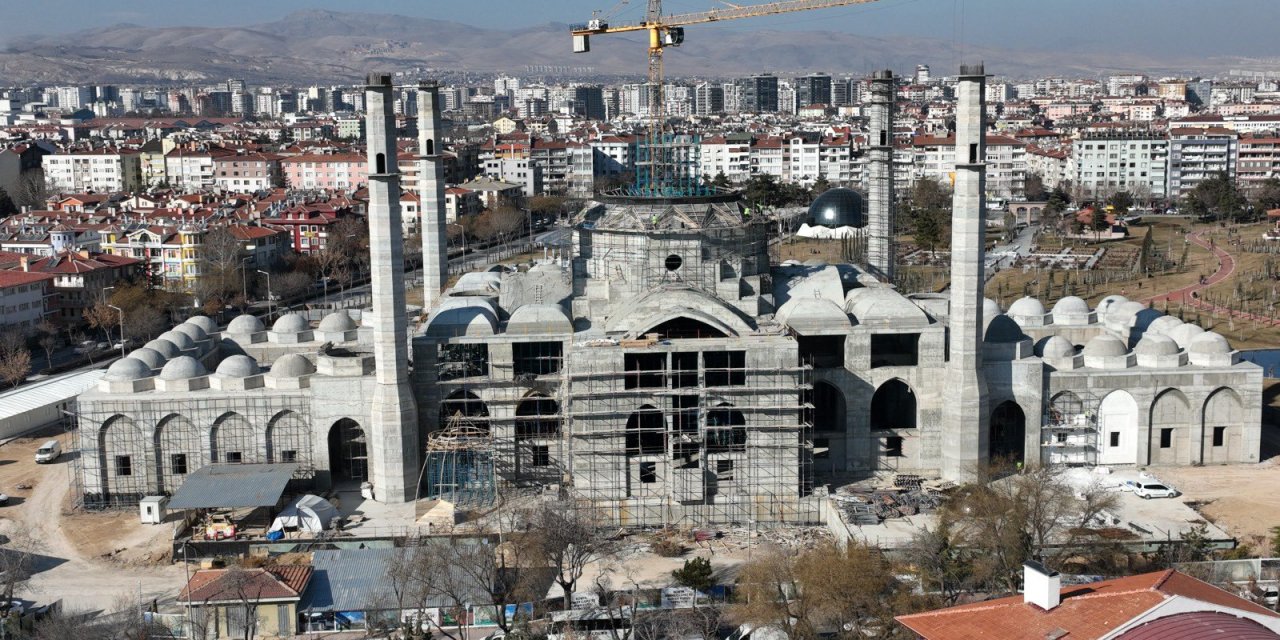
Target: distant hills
{"x":339,"y":47}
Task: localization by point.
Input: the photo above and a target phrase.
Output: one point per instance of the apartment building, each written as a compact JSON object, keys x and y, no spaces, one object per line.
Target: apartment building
{"x":104,"y":170}
{"x":1258,"y":161}
{"x":246,"y":171}
{"x":334,"y":171}
{"x":25,"y":299}
{"x":1107,"y":160}
{"x":934,"y":158}
{"x":1197,"y":154}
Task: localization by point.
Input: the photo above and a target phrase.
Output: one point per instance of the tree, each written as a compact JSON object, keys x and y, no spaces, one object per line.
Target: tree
{"x":222,"y":272}
{"x":7,"y":206}
{"x":928,"y":210}
{"x":570,"y":540}
{"x":1267,"y":195}
{"x":32,"y":189}
{"x":820,"y":186}
{"x":1033,"y":188}
{"x":1216,"y":198}
{"x":721,"y":181}
{"x":49,"y":336}
{"x":1121,"y":202}
{"x":695,"y":574}
{"x":940,"y":563}
{"x":15,"y":358}
{"x":1098,"y":221}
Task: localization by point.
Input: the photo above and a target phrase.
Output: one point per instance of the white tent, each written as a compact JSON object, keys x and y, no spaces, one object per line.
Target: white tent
{"x":307,"y":513}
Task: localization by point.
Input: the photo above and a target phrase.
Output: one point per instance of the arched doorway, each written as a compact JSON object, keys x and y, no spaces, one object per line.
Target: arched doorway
{"x":1118,"y":429}
{"x":893,"y":406}
{"x":178,"y":451}
{"x":121,"y":462}
{"x":646,"y":432}
{"x":1221,"y":439}
{"x":1170,"y":431}
{"x":466,"y":404}
{"x":348,"y":451}
{"x":1008,"y":433}
{"x":288,"y":439}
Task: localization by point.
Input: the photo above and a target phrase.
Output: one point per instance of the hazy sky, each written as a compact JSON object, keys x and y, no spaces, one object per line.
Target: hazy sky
{"x":1197,"y":27}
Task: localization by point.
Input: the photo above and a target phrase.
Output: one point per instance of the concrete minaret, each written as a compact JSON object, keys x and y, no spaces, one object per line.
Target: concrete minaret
{"x":966,"y":418}
{"x":880,"y":181}
{"x":435,"y":252}
{"x":393,"y":437}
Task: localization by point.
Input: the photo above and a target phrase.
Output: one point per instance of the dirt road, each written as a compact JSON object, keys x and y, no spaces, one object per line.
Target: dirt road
{"x":1240,"y":498}
{"x":72,"y":569}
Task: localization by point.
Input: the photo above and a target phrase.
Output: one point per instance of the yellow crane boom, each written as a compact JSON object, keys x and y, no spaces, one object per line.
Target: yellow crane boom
{"x":668,"y":31}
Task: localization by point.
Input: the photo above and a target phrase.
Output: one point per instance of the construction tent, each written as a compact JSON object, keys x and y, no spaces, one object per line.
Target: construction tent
{"x":307,"y":513}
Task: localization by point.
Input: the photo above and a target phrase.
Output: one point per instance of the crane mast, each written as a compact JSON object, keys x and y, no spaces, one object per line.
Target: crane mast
{"x":659,"y":157}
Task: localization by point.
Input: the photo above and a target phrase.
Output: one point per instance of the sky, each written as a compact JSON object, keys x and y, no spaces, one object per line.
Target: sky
{"x":1190,"y":27}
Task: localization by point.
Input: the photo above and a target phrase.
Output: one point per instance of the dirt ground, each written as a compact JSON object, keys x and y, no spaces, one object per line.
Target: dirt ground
{"x":92,"y":561}
{"x":1239,"y":498}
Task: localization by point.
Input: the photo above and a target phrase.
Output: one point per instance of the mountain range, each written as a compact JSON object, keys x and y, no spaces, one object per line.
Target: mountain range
{"x":332,"y":47}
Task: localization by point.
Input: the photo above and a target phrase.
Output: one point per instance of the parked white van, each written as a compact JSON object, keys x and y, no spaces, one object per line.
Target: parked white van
{"x":48,"y":452}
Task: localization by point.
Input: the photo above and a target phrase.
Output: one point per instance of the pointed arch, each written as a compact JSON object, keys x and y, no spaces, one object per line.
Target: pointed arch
{"x":1171,"y":423}
{"x":1118,"y":428}
{"x":1222,"y":426}
{"x":179,"y":446}
{"x":537,"y":416}
{"x":893,"y":406}
{"x":289,"y":439}
{"x":233,"y":440}
{"x":122,"y":452}
{"x":1008,"y":433}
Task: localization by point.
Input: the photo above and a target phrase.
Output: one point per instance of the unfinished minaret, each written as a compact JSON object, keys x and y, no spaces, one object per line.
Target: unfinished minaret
{"x":880,"y":181}
{"x":966,"y":418}
{"x":435,"y":254}
{"x":393,"y":440}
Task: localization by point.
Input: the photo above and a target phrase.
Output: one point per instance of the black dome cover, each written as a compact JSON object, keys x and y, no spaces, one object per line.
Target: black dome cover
{"x":838,"y":207}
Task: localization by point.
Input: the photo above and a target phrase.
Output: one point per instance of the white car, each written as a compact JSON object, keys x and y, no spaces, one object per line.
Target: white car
{"x":1148,"y":489}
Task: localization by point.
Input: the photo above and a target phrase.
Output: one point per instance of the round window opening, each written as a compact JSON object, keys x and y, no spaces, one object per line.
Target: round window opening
{"x":673,"y":262}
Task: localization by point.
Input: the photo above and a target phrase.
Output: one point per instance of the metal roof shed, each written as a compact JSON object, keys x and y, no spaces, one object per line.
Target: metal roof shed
{"x":233,"y":486}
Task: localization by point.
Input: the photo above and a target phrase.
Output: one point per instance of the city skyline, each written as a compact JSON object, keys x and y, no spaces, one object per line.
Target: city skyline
{"x":1167,"y":27}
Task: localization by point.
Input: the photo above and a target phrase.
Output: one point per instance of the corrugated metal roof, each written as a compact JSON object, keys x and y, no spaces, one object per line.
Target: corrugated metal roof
{"x":233,"y":486}
{"x":46,"y":392}
{"x":356,"y":580}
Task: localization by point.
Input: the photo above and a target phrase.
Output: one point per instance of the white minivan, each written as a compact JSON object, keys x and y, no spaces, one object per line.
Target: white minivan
{"x":1148,"y":489}
{"x":48,"y":452}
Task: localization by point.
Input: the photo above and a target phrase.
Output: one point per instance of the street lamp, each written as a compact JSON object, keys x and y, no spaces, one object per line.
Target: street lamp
{"x":120,"y":313}
{"x":270,"y":307}
{"x":244,"y":278}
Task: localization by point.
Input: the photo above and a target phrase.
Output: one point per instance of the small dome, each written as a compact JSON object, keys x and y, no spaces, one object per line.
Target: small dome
{"x":291,"y":323}
{"x":1124,"y":313}
{"x":1105,"y":345}
{"x":245,"y":324}
{"x":126,"y":369}
{"x":151,"y":357}
{"x":1104,"y":306}
{"x":1027,"y":307}
{"x":1156,"y":345}
{"x":1162,"y":326}
{"x":1056,"y":348}
{"x":1003,"y":329}
{"x":238,"y":366}
{"x":1071,"y":304}
{"x":336,"y":322}
{"x":204,"y":322}
{"x":838,"y":207}
{"x":1209,"y":343}
{"x":182,"y":368}
{"x":162,"y":347}
{"x":535,"y":319}
{"x":990,"y":309}
{"x":1184,"y":333}
{"x":291,"y":365}
{"x":192,"y":331}
{"x":180,"y":340}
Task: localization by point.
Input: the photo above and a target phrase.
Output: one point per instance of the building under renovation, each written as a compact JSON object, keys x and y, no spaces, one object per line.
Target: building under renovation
{"x":664,"y":370}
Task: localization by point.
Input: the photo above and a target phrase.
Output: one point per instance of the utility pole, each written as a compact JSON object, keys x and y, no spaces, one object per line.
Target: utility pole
{"x":270,"y":304}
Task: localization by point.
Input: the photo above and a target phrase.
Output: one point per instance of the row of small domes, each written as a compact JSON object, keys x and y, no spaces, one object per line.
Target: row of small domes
{"x":291,"y":323}
{"x":291,"y":365}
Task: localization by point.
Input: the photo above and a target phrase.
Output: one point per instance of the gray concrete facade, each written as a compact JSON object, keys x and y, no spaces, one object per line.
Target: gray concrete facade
{"x":880,"y":197}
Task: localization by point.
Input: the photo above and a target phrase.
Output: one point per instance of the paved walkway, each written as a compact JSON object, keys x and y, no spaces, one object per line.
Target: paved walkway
{"x":1226,"y":267}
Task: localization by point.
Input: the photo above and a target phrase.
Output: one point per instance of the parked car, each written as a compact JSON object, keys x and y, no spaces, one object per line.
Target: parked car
{"x":220,"y":527}
{"x":121,"y":344}
{"x":1148,"y":489}
{"x":48,"y":452}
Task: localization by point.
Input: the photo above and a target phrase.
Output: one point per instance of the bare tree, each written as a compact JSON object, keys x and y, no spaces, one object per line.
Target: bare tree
{"x":103,"y":318}
{"x":571,"y":539}
{"x":221,"y":265}
{"x":246,"y":586}
{"x":49,"y":337}
{"x":33,"y":189}
{"x":15,"y":358}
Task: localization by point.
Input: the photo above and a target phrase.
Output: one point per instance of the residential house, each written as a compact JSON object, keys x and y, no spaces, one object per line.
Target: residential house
{"x":191,"y":167}
{"x":1148,"y":606}
{"x":333,"y":171}
{"x":80,"y":276}
{"x":246,"y":171}
{"x":246,"y":603}
{"x":308,"y":223}
{"x":26,"y":299}
{"x":1258,"y":161}
{"x":460,"y":203}
{"x":494,"y":193}
{"x":170,"y":254}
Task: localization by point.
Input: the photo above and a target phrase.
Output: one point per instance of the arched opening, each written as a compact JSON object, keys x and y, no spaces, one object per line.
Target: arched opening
{"x":1008,"y":433}
{"x":178,"y":448}
{"x":726,"y":429}
{"x":537,"y":416}
{"x":646,"y":432}
{"x":1170,"y":432}
{"x":380,"y":162}
{"x":682,"y":327}
{"x":466,"y":404}
{"x":893,"y":406}
{"x":233,"y":440}
{"x":121,"y":462}
{"x":288,"y":439}
{"x":824,"y":408}
{"x":348,"y":451}
{"x":1118,"y":426}
{"x":1223,"y":427}
{"x":431,"y":147}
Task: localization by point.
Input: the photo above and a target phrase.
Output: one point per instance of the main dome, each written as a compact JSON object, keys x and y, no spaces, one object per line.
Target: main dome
{"x":838,"y":207}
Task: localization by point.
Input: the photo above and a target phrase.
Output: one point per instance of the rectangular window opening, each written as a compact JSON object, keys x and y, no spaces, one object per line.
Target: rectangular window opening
{"x":178,"y":463}
{"x":648,"y":472}
{"x":822,"y":351}
{"x":725,"y":368}
{"x":821,"y":448}
{"x":124,"y":466}
{"x":1115,"y":439}
{"x":1166,"y":438}
{"x":893,"y":447}
{"x":462,"y":361}
{"x":536,"y":358}
{"x":895,"y":350}
{"x":233,"y":457}
{"x":684,"y":370}
{"x":1219,"y":436}
{"x":645,"y":370}
{"x":541,"y":455}
{"x":724,"y":470}
{"x":288,"y":456}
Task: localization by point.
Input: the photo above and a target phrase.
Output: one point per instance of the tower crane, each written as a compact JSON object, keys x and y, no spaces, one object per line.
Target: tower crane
{"x":668,"y":31}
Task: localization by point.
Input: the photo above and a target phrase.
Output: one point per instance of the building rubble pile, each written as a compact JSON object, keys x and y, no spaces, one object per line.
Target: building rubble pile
{"x":909,"y":496}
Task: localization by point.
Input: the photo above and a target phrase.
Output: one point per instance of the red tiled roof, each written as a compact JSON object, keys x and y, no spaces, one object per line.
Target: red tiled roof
{"x":273,"y":583}
{"x":73,"y":262}
{"x":1086,"y":611}
{"x":16,"y":278}
{"x":1198,"y":625}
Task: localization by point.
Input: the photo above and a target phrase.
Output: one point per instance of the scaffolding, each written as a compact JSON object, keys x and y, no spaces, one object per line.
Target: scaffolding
{"x":667,"y":165}
{"x":459,"y":466}
{"x":1069,"y":431}
{"x":136,"y":446}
